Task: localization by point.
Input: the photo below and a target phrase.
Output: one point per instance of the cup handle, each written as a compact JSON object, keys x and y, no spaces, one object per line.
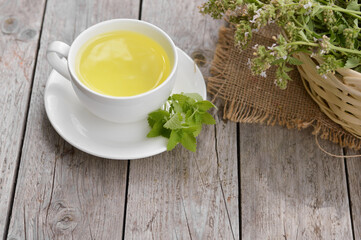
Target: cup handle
{"x":57,"y":54}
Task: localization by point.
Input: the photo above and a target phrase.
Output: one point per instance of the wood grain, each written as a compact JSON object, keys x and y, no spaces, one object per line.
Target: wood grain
{"x":181,"y":195}
{"x":20,"y":24}
{"x":63,"y":193}
{"x":354,"y":180}
{"x":289,"y":188}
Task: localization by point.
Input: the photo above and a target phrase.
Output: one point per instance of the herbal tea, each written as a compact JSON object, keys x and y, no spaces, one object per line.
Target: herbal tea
{"x":122,"y":63}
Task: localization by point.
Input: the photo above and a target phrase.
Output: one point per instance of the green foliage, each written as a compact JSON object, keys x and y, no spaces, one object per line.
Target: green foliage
{"x":181,"y":120}
{"x":327,"y":29}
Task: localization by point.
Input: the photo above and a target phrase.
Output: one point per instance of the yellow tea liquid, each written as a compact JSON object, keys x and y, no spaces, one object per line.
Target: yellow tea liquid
{"x":122,"y":63}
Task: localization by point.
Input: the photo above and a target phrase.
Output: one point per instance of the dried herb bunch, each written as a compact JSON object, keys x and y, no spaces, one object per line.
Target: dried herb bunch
{"x":321,"y":28}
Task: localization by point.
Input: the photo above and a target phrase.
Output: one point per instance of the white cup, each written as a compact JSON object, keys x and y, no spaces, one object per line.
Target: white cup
{"x":115,"y":109}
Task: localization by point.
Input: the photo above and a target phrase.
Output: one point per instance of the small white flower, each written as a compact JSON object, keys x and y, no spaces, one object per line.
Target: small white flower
{"x":273,"y":53}
{"x":317,"y":67}
{"x":249,"y":63}
{"x":263,"y":74}
{"x":255,"y":30}
{"x":313,"y":55}
{"x":255,"y":47}
{"x":308,"y":5}
{"x":246,"y":34}
{"x":284,"y":57}
{"x":324,"y":76}
{"x":271,"y":47}
{"x":254,"y":19}
{"x":315,"y":39}
{"x":256,"y":16}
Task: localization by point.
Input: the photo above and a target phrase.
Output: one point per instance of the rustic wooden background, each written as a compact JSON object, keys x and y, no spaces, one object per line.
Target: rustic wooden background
{"x":245,"y":181}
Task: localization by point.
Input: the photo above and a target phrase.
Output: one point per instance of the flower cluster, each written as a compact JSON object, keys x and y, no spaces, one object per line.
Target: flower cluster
{"x":328,"y":30}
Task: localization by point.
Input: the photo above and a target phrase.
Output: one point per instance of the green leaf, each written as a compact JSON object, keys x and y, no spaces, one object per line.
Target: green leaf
{"x":194,"y":96}
{"x":287,"y":69}
{"x":157,"y":115}
{"x":294,"y":61}
{"x":165,"y":132}
{"x":316,"y":10}
{"x":341,"y":27}
{"x":353,"y":5}
{"x":173,"y":141}
{"x":177,"y":107}
{"x":352,"y":62}
{"x":311,"y":25}
{"x":204,"y":105}
{"x":197,"y":130}
{"x":207,"y":118}
{"x":156,"y":130}
{"x":307,"y":19}
{"x":180,"y":98}
{"x":303,"y":36}
{"x":182,"y":120}
{"x":277,"y":61}
{"x":174,"y":122}
{"x":189,"y":141}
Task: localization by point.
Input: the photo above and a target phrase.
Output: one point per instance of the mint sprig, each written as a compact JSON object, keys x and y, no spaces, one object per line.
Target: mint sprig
{"x":181,"y":119}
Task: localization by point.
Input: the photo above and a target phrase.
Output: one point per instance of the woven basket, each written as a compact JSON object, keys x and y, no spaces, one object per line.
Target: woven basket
{"x":338,"y":95}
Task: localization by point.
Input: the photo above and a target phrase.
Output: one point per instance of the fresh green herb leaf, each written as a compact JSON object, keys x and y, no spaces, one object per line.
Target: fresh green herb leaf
{"x":181,"y":120}
{"x":189,"y":141}
{"x":156,"y":130}
{"x":353,"y":5}
{"x":174,"y":139}
{"x":204,"y":105}
{"x":352,"y":62}
{"x":294,"y":61}
{"x":194,"y":96}
{"x":208,"y":119}
{"x":175,"y":122}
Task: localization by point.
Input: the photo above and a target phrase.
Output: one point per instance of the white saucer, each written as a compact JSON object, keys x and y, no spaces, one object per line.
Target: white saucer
{"x":105,"y":139}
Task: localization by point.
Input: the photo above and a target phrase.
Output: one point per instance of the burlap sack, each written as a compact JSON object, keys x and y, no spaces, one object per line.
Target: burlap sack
{"x":254,"y":99}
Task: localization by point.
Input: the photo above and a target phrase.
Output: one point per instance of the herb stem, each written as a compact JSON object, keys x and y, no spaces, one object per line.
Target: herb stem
{"x":341,"y":49}
{"x":349,"y":12}
{"x":300,"y":24}
{"x":303,"y":43}
{"x":338,"y":9}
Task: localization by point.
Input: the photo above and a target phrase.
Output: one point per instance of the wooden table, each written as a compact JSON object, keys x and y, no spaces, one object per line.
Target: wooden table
{"x":245,"y":181}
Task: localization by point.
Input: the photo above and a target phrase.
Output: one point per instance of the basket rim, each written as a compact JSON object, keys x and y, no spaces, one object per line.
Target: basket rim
{"x":333,"y":79}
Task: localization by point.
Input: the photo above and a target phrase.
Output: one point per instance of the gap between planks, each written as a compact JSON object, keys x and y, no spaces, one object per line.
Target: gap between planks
{"x":13,"y":189}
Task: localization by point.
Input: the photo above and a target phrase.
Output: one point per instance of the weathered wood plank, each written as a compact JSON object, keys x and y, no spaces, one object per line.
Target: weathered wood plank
{"x":354,"y":180}
{"x":20,"y":23}
{"x":289,"y":188}
{"x":180,"y":195}
{"x":62,"y":193}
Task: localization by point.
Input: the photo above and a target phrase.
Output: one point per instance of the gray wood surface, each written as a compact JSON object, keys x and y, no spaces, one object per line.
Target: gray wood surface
{"x":180,"y":195}
{"x":20,"y":24}
{"x":62,"y":193}
{"x":289,"y":188}
{"x":354,"y":181}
